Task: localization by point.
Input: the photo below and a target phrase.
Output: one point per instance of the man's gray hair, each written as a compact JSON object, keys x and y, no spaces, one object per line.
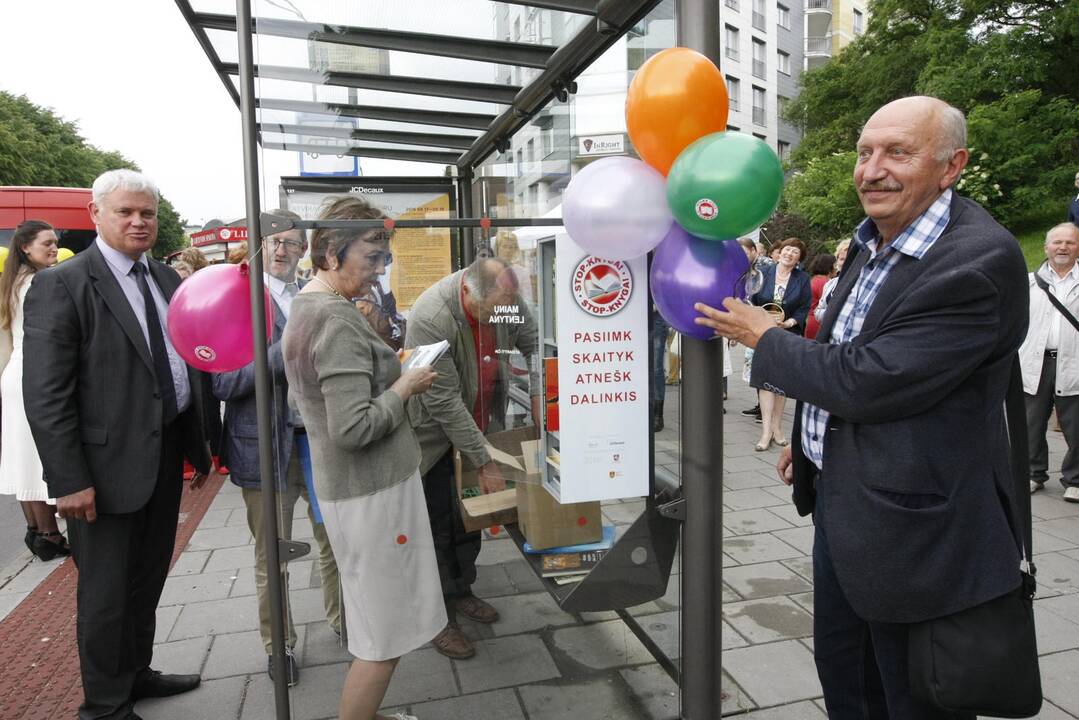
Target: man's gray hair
{"x":953,"y":133}
{"x":1061,"y":226}
{"x":487,"y":274}
{"x":123,"y":179}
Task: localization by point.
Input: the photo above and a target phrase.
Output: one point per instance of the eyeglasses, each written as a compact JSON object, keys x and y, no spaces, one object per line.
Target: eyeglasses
{"x":386,"y":258}
{"x":275,"y":243}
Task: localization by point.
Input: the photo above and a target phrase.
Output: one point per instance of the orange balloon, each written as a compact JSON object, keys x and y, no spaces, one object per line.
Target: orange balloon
{"x":678,"y":96}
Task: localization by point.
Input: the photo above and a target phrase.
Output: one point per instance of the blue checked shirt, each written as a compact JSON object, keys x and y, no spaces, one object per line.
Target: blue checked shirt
{"x":914,"y":242}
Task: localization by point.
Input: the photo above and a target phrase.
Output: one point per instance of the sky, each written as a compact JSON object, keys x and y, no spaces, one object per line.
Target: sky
{"x":132,"y":77}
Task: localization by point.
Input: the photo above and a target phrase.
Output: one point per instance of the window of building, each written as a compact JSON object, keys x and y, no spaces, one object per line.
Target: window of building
{"x":781,"y":104}
{"x":531,"y":151}
{"x":732,"y":42}
{"x":759,"y":117}
{"x":858,"y":23}
{"x":761,"y":136}
{"x":520,"y":161}
{"x":759,"y":51}
{"x":783,"y":16}
{"x":733,"y":128}
{"x":784,"y":61}
{"x":734,"y":91}
{"x":784,"y":149}
{"x":732,"y":4}
{"x":758,"y":15}
{"x":547,"y":140}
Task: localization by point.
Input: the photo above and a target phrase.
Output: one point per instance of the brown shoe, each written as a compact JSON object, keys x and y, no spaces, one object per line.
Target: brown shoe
{"x":452,"y":643}
{"x":475,"y":609}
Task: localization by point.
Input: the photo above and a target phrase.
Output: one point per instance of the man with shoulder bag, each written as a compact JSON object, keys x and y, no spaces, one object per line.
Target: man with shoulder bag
{"x":902,"y":450}
{"x":1050,"y":358}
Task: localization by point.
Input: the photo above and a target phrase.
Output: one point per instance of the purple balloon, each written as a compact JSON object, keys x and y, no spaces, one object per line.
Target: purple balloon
{"x":616,"y":208}
{"x":688,"y":270}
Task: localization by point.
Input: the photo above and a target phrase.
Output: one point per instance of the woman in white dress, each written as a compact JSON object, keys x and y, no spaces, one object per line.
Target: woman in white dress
{"x":33,"y":248}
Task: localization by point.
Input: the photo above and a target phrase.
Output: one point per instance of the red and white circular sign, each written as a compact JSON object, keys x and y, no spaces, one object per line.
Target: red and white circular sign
{"x":205,"y":353}
{"x":601,"y":287}
{"x":706,"y":209}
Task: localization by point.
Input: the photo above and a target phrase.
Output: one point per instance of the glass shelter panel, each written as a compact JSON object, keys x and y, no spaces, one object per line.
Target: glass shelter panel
{"x":452,"y":528}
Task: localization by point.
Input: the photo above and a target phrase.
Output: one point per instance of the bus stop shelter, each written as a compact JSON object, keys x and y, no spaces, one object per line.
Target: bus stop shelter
{"x":295,"y":67}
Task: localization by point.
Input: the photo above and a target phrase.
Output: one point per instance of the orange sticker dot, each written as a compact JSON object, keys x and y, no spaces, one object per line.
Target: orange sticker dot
{"x":495,"y":529}
{"x":582,"y":521}
{"x":402,"y":539}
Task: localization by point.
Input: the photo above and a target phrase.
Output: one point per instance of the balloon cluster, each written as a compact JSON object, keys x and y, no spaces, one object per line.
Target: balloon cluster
{"x":694,"y":191}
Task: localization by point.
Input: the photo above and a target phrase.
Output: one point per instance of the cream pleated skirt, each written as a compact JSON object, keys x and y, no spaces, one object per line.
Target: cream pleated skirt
{"x":389,"y":576}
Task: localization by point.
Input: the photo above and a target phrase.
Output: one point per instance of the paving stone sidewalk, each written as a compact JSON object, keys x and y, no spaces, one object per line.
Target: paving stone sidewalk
{"x":539,"y":663}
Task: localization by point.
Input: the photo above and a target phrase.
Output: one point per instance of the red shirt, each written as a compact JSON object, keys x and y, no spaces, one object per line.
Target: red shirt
{"x":486,"y":339}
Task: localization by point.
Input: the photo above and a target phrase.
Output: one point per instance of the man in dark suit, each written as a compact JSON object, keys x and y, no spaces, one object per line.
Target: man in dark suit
{"x":1073,"y":208}
{"x":240,"y":448}
{"x":900,"y":448}
{"x":114,"y":411}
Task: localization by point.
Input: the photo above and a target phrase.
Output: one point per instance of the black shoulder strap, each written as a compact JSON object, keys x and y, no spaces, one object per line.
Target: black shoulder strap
{"x":1015,"y":409}
{"x":1040,"y":281}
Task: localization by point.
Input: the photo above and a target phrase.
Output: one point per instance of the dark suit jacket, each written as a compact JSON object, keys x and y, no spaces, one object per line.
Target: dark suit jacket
{"x":796,"y":299}
{"x":89,"y":387}
{"x":1073,"y":211}
{"x":916,"y":481}
{"x":239,"y":433}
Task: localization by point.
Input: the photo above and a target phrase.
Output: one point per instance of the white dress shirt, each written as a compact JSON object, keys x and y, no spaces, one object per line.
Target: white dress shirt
{"x":1061,"y":287}
{"x":121,"y":265}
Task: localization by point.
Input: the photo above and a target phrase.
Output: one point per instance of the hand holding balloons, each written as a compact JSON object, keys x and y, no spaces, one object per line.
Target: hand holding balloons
{"x":687,"y":270}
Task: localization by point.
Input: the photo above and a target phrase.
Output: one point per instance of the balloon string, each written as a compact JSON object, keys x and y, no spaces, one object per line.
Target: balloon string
{"x":256,"y":254}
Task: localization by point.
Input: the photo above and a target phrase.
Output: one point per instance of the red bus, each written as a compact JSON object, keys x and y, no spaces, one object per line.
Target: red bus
{"x":63,"y":208}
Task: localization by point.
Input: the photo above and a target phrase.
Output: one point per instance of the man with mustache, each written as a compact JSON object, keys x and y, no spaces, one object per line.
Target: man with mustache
{"x":899,"y":447}
{"x":1049,"y":355}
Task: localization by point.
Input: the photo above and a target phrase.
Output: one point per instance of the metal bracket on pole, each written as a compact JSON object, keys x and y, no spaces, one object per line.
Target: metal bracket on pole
{"x":675,"y":509}
{"x":288,"y":550}
{"x":270,"y":224}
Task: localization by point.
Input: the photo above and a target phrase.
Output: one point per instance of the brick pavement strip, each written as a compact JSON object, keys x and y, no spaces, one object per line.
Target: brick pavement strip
{"x":37,"y":639}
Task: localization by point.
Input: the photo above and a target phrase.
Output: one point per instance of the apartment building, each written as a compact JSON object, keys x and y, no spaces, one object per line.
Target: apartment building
{"x":831,"y":25}
{"x":762,"y":44}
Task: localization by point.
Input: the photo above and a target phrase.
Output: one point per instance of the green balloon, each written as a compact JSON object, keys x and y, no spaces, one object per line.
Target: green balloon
{"x":724,"y":185}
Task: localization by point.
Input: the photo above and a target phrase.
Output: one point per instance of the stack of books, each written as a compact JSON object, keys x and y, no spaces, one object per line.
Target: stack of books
{"x":570,"y":563}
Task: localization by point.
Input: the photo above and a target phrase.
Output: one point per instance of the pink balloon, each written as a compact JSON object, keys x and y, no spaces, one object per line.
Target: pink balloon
{"x":210,"y":318}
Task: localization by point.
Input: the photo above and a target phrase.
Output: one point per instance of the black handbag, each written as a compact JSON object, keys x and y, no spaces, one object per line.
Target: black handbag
{"x":984,"y":660}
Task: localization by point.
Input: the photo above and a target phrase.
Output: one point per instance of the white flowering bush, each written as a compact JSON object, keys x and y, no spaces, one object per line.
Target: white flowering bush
{"x":976,"y":182}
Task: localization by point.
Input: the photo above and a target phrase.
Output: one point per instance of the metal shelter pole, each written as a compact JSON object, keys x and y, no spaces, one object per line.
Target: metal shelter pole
{"x":464,"y":209}
{"x":262,"y":375}
{"x":702,"y":464}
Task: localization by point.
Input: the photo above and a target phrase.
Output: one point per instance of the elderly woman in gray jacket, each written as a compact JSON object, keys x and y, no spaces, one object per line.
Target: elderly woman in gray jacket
{"x":350,"y":390}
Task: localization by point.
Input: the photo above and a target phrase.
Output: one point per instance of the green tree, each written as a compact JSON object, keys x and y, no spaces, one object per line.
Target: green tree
{"x":1009,"y":64}
{"x":37,"y":147}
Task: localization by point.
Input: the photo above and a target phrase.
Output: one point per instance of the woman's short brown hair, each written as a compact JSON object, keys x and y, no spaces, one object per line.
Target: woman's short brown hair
{"x":336,"y":241}
{"x":793,"y":242}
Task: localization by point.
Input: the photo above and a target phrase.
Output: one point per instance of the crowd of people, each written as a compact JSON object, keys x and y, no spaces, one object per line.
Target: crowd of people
{"x":897,"y":349}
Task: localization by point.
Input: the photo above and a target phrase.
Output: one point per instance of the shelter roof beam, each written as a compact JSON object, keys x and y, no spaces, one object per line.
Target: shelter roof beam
{"x":456,"y":142}
{"x":493,"y":51}
{"x":480,"y":92}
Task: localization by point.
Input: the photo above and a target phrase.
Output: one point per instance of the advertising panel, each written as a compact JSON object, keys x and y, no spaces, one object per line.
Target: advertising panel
{"x":421,"y":256}
{"x":602,"y":391}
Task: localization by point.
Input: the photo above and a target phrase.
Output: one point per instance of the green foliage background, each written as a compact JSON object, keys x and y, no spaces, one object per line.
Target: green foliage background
{"x":37,"y":147}
{"x":1009,"y":65}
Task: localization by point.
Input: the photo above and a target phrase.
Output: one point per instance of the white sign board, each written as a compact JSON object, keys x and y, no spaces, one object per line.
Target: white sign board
{"x":601,"y":144}
{"x":602,"y":374}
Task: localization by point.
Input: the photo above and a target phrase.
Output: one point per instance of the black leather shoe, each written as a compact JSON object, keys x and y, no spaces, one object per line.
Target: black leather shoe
{"x":153,"y":683}
{"x":290,"y":665}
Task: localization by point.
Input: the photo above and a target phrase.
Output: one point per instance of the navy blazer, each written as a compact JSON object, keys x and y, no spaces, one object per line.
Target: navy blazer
{"x":239,"y":430}
{"x":916,"y":485}
{"x":796,"y":299}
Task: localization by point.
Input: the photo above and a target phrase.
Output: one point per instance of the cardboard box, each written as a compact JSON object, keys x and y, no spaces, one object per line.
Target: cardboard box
{"x":483,"y":511}
{"x":544,"y":521}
